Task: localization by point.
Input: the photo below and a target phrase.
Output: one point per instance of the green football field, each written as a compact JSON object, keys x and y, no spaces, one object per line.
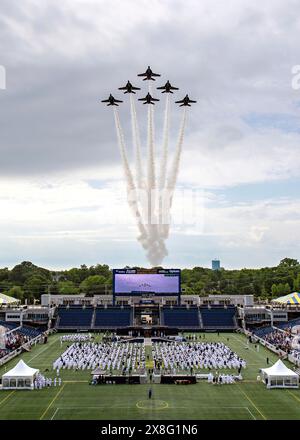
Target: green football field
{"x":76,"y":399}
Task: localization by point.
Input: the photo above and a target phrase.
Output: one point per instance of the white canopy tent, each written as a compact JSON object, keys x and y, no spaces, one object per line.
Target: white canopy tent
{"x":280,"y":376}
{"x":20,"y":377}
{"x":5,"y":299}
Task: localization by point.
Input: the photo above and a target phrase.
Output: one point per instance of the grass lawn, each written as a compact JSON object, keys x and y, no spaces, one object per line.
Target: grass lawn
{"x":76,"y":399}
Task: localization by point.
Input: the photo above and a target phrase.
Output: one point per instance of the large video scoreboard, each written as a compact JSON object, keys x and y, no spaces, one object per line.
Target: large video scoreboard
{"x":135,"y":282}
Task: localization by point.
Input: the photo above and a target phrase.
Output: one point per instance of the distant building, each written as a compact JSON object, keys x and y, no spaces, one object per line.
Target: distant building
{"x":215,"y":265}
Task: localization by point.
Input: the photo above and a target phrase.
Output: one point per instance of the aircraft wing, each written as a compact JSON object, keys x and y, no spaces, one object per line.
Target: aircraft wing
{"x":142,"y":99}
{"x":179,"y":102}
{"x":122,"y":88}
{"x":135,"y":88}
{"x":192,"y":101}
{"x":105,"y":100}
{"x":155,"y":74}
{"x":142,"y":74}
{"x":117,"y":100}
{"x":174,"y":88}
{"x":154,"y":99}
{"x":160,"y":88}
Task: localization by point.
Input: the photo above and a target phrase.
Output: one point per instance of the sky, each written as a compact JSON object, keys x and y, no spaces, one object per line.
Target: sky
{"x":62,"y":191}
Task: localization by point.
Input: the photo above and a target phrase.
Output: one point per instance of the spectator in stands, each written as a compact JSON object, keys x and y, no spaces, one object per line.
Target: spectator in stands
{"x":280,"y":339}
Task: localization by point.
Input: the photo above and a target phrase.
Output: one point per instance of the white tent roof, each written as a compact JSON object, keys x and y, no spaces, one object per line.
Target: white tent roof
{"x":5,"y":299}
{"x":279,"y":369}
{"x":21,"y":370}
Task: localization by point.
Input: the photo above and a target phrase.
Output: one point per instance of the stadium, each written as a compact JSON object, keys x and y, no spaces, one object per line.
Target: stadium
{"x":82,"y":357}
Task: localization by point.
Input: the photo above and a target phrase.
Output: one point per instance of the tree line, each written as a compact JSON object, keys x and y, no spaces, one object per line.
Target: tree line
{"x":28,"y":281}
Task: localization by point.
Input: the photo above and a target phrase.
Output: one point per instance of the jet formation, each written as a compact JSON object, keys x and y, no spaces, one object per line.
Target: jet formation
{"x":149,"y":75}
{"x":167,"y":88}
{"x":185,"y":101}
{"x":111,"y":100}
{"x":148,"y":99}
{"x":129,"y":88}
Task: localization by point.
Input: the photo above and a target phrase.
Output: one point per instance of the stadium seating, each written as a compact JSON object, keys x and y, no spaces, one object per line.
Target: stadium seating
{"x":180,"y":317}
{"x":9,"y":325}
{"x":263,"y":331}
{"x":218,"y":317}
{"x":291,"y":323}
{"x":112,"y":317}
{"x":70,"y":318}
{"x":88,"y":318}
{"x":30,"y":332}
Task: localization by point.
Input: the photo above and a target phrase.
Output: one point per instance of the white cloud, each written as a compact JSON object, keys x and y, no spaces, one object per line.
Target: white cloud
{"x":235,"y":58}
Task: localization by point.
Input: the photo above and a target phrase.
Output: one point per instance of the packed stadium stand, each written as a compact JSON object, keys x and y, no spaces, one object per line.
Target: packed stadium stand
{"x":180,"y":317}
{"x":16,"y":336}
{"x":218,"y":317}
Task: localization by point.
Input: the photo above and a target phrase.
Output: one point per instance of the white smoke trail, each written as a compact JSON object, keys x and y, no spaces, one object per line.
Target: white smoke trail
{"x":137,"y":146}
{"x":152,"y":235}
{"x":151,"y":175}
{"x":164,"y":156}
{"x":173,"y":174}
{"x":157,"y":250}
{"x":164,"y":163}
{"x":131,"y":189}
{"x":151,"y":184}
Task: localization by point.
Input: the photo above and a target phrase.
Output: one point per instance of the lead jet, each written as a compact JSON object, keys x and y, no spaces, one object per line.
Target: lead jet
{"x":111,"y":100}
{"x":167,"y":88}
{"x":185,"y":101}
{"x":148,"y":99}
{"x":129,"y":88}
{"x":148,"y":74}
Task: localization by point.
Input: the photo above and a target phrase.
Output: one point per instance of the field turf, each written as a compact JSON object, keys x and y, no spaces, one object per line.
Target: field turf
{"x":76,"y":399}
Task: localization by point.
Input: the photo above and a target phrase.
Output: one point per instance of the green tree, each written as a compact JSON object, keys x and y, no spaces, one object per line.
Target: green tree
{"x":94,"y":284}
{"x":296,"y":284}
{"x":35,"y":286}
{"x":289,"y":262}
{"x":67,"y":288}
{"x":16,"y":292}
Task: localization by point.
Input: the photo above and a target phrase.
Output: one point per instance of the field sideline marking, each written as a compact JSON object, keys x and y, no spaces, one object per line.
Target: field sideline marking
{"x":252,"y":403}
{"x":55,"y":412}
{"x":250,"y":412}
{"x":295,"y":397}
{"x":243,"y":343}
{"x":52,"y":401}
{"x":101,"y":407}
{"x":42,"y":351}
{"x":76,"y":381}
{"x":85,"y":407}
{"x":5,"y":398}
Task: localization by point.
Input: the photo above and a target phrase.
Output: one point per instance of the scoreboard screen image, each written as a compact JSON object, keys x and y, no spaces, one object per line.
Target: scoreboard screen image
{"x":132,"y":282}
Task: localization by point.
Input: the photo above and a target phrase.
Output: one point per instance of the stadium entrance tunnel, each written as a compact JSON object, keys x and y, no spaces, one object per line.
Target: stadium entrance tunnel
{"x":146,"y":315}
